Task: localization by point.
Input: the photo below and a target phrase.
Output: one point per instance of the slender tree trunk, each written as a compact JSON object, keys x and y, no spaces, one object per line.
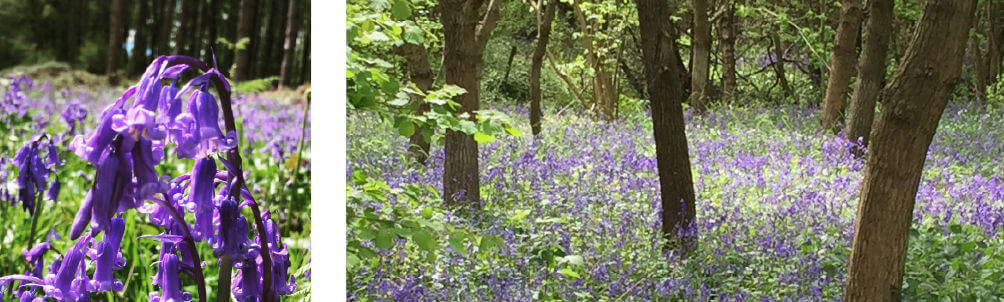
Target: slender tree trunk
{"x":545,"y":14}
{"x":666,"y":93}
{"x":256,"y":39}
{"x":508,"y":64}
{"x":912,"y":105}
{"x":245,"y":29}
{"x":211,"y":17}
{"x":417,"y":58}
{"x":604,"y":96}
{"x":276,"y":49}
{"x":871,"y":74}
{"x":199,"y":28}
{"x":464,"y":44}
{"x":289,"y":45}
{"x":138,"y":60}
{"x":842,"y":63}
{"x":979,"y":67}
{"x":778,"y":64}
{"x":727,"y":42}
{"x":165,"y":27}
{"x":115,"y":25}
{"x":305,"y":59}
{"x":701,"y":55}
{"x":181,"y":39}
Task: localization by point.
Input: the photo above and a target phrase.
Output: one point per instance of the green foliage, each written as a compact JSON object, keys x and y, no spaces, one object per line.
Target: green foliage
{"x":379,"y":217}
{"x":255,"y":86}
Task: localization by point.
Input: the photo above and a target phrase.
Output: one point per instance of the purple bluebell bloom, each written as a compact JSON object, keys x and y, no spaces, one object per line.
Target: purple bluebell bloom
{"x":108,"y":258}
{"x":33,"y":174}
{"x":200,"y":200}
{"x":168,"y":281}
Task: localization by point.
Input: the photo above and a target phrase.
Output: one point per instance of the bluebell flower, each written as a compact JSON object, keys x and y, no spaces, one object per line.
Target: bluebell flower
{"x":108,"y":258}
{"x":200,"y":200}
{"x":32,"y":176}
{"x":168,"y":280}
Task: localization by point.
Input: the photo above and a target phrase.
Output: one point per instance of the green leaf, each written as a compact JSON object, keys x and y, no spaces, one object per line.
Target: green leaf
{"x":482,"y":138}
{"x":427,"y":212}
{"x":513,"y":131}
{"x":424,"y":240}
{"x":406,"y":128}
{"x":400,"y":10}
{"x":955,"y":228}
{"x":384,"y":240}
{"x":359,"y":177}
{"x":568,"y":272}
{"x":413,"y":34}
{"x":456,"y":241}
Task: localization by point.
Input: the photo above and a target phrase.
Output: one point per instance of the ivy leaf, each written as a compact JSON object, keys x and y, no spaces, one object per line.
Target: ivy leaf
{"x":457,"y":242}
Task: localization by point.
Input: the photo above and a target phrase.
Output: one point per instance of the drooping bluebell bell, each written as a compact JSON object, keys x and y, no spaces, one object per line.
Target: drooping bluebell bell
{"x":66,"y":280}
{"x":247,"y":285}
{"x":34,"y":257}
{"x":233,"y":227}
{"x":108,"y":258}
{"x":168,"y":281}
{"x":200,"y":199}
{"x":280,"y":258}
{"x":33,"y":174}
{"x":95,"y":208}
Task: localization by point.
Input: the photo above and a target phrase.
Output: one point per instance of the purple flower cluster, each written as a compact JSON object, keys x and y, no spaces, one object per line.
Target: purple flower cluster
{"x":130,"y":140}
{"x":775,"y":207}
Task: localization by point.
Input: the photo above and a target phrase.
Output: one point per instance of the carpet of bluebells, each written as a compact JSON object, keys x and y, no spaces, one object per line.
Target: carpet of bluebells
{"x":576,"y":210}
{"x":271,"y":127}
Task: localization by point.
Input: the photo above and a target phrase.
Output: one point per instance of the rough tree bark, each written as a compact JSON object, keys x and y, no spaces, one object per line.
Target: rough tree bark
{"x":245,"y":29}
{"x":289,"y":45}
{"x":842,"y":63}
{"x":912,"y":105}
{"x":115,"y":25}
{"x":545,"y":13}
{"x":665,"y":88}
{"x":464,"y":43}
{"x":871,"y":73}
{"x":726,"y":29}
{"x":701,"y":55}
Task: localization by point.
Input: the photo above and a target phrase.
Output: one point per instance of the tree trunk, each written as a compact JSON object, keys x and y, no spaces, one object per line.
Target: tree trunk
{"x":245,"y":29}
{"x":545,"y":13}
{"x":604,"y":96}
{"x":115,"y":25}
{"x":289,"y":45}
{"x":211,"y":18}
{"x":727,"y":42}
{"x":842,"y":63}
{"x":701,"y":55}
{"x":508,"y":64}
{"x":305,"y":59}
{"x":167,"y":20}
{"x":417,"y":62}
{"x":138,"y":60}
{"x":912,"y":105}
{"x":199,"y":27}
{"x":979,"y":68}
{"x":871,"y":74}
{"x":464,"y":43}
{"x":276,"y":48}
{"x":778,"y":62}
{"x":181,"y":39}
{"x":666,"y":94}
